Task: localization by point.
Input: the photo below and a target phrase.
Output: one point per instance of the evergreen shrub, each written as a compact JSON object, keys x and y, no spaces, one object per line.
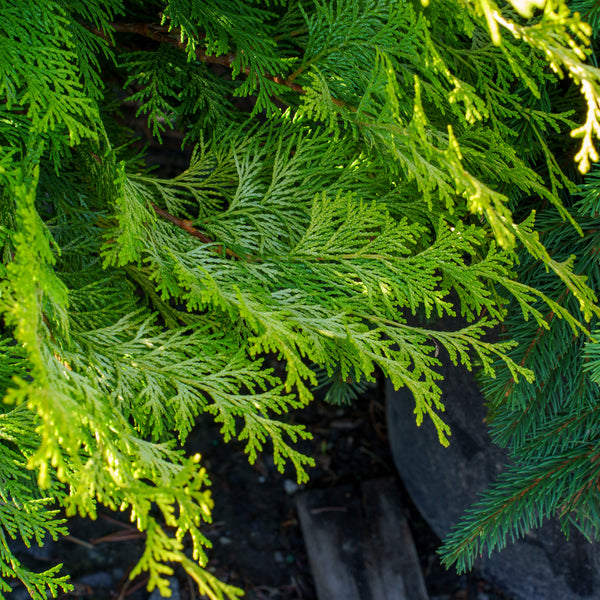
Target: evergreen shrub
{"x":359,"y":168}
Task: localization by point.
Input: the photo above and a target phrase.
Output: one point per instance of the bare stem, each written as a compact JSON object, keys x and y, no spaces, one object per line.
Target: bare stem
{"x":187,"y":226}
{"x":161,"y":33}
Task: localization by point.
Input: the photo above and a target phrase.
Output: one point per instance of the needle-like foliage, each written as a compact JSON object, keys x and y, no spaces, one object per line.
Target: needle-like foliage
{"x":353,"y":169}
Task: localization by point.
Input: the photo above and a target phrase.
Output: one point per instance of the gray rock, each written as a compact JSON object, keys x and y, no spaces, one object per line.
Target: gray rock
{"x":175,"y":595}
{"x":290,"y":487}
{"x":20,"y":594}
{"x":102,"y":579}
{"x":44,"y":552}
{"x":443,"y":482}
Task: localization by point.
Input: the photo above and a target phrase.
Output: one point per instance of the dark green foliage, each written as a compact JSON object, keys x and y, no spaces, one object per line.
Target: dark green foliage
{"x":551,"y":429}
{"x":354,"y":166}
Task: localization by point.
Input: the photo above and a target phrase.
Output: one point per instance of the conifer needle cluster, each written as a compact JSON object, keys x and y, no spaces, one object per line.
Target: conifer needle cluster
{"x":355,"y":167}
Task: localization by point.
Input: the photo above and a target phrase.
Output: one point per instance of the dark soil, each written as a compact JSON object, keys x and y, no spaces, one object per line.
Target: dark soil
{"x":257,"y":541}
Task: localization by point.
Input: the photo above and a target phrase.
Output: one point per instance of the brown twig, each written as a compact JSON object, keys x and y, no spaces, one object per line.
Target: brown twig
{"x":120,"y":524}
{"x":187,"y":226}
{"x":80,"y":542}
{"x":161,"y":33}
{"x":316,"y":511}
{"x":191,"y":587}
{"x":119,"y":536}
{"x":130,"y":587}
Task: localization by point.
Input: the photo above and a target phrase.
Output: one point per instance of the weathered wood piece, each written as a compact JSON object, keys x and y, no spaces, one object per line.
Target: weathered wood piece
{"x":444,"y":482}
{"x":359,"y":545}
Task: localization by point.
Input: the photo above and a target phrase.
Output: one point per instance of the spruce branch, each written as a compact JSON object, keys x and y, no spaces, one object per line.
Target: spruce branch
{"x":539,"y":333}
{"x":522,"y":498}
